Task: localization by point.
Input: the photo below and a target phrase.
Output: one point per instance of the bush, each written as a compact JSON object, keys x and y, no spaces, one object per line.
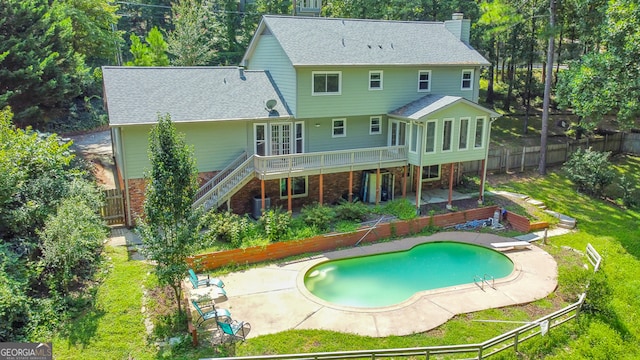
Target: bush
{"x":227,"y":227}
{"x":352,"y":211}
{"x":590,"y":171}
{"x":403,"y":209}
{"x":629,"y":193}
{"x":275,"y":224}
{"x":318,"y":216}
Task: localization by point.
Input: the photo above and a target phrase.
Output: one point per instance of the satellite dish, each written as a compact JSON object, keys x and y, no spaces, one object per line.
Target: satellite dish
{"x":270,"y":104}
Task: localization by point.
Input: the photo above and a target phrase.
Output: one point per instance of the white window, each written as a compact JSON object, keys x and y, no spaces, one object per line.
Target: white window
{"x":298,"y":187}
{"x":479,"y":139}
{"x":430,"y":173}
{"x":260,"y":145}
{"x":414,"y":135}
{"x":467,"y":80}
{"x":424,"y":80}
{"x":299,"y":137}
{"x":375,"y":80}
{"x":326,"y":82}
{"x":430,"y":146}
{"x":447,"y":134}
{"x":463,"y":142}
{"x":375,"y":125}
{"x":339,"y":128}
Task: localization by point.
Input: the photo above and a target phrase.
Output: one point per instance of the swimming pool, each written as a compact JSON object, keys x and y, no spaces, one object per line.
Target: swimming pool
{"x":390,"y":278}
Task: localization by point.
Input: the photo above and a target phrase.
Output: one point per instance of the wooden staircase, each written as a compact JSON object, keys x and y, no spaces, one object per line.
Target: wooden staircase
{"x":227,"y":182}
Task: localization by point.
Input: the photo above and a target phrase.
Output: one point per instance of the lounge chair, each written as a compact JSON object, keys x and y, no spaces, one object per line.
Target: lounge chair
{"x":235,"y":330}
{"x":197,"y":282}
{"x":211,"y":314}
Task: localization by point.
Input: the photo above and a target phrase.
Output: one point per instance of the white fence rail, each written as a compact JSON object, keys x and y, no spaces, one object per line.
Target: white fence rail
{"x":277,"y":165}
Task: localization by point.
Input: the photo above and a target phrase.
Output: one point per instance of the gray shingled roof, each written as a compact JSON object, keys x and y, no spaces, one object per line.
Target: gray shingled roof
{"x":136,"y":95}
{"x":332,"y":41}
{"x":429,"y":104}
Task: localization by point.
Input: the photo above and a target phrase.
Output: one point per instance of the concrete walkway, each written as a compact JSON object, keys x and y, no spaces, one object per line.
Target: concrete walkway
{"x":273,"y":298}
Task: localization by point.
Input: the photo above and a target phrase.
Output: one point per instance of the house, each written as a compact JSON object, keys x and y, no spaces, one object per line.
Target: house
{"x":320,"y":109}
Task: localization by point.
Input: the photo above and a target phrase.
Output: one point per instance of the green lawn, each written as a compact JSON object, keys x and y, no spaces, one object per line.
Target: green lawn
{"x":113,"y":328}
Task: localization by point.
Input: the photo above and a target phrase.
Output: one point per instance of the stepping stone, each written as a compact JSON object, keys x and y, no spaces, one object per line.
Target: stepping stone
{"x":566,"y":222}
{"x":536,"y":203}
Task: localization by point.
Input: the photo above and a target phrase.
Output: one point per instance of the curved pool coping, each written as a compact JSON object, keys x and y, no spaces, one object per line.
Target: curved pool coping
{"x":273,"y":298}
{"x":412,"y":299}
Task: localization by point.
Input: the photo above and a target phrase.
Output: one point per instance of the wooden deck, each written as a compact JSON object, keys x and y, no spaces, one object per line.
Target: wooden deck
{"x":279,"y":166}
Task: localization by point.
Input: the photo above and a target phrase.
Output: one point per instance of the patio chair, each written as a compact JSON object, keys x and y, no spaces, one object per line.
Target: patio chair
{"x":211,"y":314}
{"x":197,"y":282}
{"x":234,"y":330}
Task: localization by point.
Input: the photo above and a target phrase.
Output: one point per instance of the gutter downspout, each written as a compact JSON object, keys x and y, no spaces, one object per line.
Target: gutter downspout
{"x":486,"y":162}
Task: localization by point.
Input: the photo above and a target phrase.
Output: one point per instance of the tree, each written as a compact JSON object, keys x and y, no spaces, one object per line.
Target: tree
{"x":590,"y":171}
{"x":168,"y":227}
{"x":48,"y":225}
{"x":542,"y":168}
{"x":192,"y":40}
{"x":151,"y":53}
{"x":93,"y":24}
{"x":41,"y":72}
{"x":606,"y":82}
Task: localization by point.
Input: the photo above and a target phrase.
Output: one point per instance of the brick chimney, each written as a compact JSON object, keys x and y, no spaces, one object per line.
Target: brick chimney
{"x":459,"y":26}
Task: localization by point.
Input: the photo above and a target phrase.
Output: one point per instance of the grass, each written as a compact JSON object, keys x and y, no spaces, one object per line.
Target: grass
{"x":113,"y":328}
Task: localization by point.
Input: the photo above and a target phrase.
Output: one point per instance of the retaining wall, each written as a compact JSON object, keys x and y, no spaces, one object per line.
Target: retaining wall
{"x":328,"y":242}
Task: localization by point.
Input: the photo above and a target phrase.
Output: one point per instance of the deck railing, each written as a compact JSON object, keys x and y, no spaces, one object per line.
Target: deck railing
{"x":227,"y":186}
{"x":206,"y":187}
{"x":340,"y":160}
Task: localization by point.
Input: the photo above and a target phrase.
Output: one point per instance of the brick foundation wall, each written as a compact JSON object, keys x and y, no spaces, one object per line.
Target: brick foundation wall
{"x":334,"y":186}
{"x":137,"y":189}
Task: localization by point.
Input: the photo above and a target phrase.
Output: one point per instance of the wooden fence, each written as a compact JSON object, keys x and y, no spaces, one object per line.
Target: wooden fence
{"x":113,"y":209}
{"x":504,"y":159}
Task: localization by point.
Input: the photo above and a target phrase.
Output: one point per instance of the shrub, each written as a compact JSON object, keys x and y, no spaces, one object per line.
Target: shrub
{"x":275,"y":223}
{"x":226,"y":227}
{"x":352,"y":211}
{"x":318,"y":216}
{"x":590,"y":171}
{"x":403,"y":209}
{"x":629,"y":193}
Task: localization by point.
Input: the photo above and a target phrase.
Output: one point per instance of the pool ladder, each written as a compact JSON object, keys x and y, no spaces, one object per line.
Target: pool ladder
{"x":481,"y":281}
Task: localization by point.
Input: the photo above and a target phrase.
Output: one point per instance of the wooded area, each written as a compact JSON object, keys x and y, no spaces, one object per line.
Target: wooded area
{"x":51,"y":52}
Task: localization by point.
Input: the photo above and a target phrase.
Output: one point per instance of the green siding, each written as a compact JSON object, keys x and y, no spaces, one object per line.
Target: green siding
{"x":400,"y":86}
{"x":268,"y":55}
{"x":320,"y":138}
{"x":454,"y":112}
{"x":215,"y":145}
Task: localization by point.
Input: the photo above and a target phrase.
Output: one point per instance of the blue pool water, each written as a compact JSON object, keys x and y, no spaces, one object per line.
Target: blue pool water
{"x":390,"y":278}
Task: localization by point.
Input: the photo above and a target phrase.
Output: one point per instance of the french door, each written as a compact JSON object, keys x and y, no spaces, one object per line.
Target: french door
{"x":280,"y":138}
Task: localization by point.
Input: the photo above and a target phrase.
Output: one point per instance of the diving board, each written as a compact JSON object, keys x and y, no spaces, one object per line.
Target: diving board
{"x":517,"y":245}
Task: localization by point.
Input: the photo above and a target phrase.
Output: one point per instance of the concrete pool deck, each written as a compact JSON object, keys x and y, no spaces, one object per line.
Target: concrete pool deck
{"x":273,"y":298}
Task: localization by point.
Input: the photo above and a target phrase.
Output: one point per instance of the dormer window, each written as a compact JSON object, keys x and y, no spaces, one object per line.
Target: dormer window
{"x":467,"y":80}
{"x":424,"y":80}
{"x":375,"y":80}
{"x":326,"y":82}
